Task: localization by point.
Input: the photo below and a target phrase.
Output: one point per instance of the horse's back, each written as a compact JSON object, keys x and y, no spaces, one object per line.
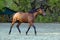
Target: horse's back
{"x":20,"y":16}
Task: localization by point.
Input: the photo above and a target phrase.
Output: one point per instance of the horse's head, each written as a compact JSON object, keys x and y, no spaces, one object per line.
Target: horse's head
{"x":41,"y":11}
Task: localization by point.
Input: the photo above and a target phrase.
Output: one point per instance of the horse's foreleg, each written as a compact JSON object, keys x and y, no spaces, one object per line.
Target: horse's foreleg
{"x":11,"y":27}
{"x":34,"y":29}
{"x":28,"y":29}
{"x":18,"y":27}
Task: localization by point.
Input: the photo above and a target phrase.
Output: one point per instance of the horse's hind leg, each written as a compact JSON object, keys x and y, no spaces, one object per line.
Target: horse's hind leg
{"x":18,"y":27}
{"x":11,"y":27}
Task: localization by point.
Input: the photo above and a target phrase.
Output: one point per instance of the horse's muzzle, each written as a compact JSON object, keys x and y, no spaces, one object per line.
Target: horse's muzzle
{"x":44,"y":14}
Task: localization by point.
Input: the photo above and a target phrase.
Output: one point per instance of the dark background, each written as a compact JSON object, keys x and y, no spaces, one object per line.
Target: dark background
{"x":51,"y":7}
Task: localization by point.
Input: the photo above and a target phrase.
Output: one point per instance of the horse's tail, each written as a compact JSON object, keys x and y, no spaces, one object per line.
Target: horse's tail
{"x":11,"y":17}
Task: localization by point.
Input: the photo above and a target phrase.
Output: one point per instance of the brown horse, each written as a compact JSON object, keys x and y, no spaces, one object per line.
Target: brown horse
{"x":27,"y":17}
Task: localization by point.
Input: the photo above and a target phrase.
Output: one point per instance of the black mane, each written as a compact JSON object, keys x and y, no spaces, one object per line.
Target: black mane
{"x":33,"y":10}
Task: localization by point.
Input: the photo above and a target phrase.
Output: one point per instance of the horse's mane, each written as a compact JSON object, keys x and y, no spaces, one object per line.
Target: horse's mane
{"x":33,"y":10}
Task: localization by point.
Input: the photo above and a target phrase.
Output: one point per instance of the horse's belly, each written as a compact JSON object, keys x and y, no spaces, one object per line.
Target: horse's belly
{"x":25,"y":20}
{"x":22,"y":19}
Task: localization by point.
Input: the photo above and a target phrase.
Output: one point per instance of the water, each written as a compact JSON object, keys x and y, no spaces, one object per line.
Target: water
{"x":45,"y":31}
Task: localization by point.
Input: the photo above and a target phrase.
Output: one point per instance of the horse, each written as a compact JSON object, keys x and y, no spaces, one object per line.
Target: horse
{"x":26,"y":17}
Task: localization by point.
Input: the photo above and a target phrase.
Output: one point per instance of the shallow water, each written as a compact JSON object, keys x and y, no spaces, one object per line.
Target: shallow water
{"x":45,"y":31}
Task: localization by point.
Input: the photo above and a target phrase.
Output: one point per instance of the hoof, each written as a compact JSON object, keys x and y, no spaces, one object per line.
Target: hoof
{"x":9,"y":33}
{"x":26,"y":33}
{"x":35,"y":33}
{"x":19,"y":32}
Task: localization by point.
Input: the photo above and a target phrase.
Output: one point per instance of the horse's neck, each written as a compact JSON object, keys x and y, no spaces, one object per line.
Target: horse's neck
{"x":35,"y":14}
